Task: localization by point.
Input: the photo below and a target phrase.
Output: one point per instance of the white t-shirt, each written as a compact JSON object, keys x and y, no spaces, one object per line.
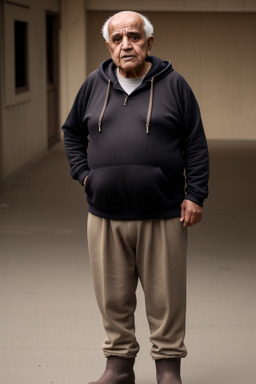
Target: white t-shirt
{"x":129,"y":84}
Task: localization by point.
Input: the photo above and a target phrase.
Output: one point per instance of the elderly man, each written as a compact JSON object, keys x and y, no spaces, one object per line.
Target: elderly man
{"x":135,"y":140}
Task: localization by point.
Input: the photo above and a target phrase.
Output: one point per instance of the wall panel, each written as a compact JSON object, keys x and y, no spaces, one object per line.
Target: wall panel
{"x":24,"y":115}
{"x":214,"y":52}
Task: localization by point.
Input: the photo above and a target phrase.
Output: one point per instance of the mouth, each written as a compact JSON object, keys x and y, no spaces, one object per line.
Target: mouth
{"x":127,"y":57}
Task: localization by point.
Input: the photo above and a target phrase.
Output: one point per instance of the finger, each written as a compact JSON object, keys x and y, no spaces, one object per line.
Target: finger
{"x":187,"y":219}
{"x":84,"y":182}
{"x":195,"y":219}
{"x":182,"y":213}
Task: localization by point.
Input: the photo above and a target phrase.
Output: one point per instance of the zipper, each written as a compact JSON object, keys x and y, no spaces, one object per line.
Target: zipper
{"x":125,"y":100}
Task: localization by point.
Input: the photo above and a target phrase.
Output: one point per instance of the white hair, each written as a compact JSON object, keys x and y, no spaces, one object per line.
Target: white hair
{"x":148,"y":27}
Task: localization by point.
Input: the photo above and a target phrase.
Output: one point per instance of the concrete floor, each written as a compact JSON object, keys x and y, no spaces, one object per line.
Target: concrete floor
{"x":50,"y":326}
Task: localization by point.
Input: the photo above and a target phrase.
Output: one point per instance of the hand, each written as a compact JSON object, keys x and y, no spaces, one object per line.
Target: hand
{"x":84,"y":182}
{"x":191,"y":213}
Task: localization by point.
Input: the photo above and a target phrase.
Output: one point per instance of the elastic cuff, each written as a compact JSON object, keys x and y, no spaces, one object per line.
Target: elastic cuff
{"x":82,"y":176}
{"x":169,"y":357}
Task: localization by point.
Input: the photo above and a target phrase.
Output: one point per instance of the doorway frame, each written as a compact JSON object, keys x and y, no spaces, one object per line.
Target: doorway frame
{"x":53,"y":139}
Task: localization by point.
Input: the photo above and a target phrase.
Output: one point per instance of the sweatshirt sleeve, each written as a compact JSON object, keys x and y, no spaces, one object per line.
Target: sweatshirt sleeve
{"x":76,"y":138}
{"x":195,"y":149}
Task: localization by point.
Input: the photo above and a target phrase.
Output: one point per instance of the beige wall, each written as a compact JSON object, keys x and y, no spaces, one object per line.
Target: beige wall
{"x":215,"y":52}
{"x":23,"y":117}
{"x":24,"y":126}
{"x":174,"y":5}
{"x":72,"y":52}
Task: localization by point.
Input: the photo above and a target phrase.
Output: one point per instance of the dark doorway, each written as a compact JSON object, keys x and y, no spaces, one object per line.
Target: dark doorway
{"x":52,"y":55}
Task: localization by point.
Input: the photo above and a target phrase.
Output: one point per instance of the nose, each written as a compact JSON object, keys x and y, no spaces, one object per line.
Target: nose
{"x":125,"y":43}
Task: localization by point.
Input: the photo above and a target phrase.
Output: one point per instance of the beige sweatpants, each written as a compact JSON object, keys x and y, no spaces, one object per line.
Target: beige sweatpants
{"x":153,"y":251}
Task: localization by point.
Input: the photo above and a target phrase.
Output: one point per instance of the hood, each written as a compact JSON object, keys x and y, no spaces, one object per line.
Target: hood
{"x":158,"y":70}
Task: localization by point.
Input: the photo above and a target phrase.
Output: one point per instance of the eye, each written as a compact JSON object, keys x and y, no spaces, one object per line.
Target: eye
{"x":116,"y":39}
{"x":134,"y":37}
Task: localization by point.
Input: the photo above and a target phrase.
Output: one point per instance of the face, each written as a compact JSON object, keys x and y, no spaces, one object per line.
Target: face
{"x":128,"y":45}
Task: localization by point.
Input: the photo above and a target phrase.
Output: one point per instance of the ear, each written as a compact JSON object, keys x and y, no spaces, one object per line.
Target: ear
{"x":150,"y":41}
{"x":107,"y":44}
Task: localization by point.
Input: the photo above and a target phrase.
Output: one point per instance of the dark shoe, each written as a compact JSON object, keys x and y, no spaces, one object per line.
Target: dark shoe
{"x":168,"y":371}
{"x":119,"y":370}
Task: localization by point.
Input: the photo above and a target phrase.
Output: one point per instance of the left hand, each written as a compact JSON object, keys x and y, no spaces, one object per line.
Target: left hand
{"x":84,"y":182}
{"x":191,"y":213}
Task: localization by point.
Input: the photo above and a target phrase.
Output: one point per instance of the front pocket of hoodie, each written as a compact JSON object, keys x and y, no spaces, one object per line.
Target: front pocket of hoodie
{"x":112,"y":188}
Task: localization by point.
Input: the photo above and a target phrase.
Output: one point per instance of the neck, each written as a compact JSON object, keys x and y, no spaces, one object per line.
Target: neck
{"x":136,"y":73}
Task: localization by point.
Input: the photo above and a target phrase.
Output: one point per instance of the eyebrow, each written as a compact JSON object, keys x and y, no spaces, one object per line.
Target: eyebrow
{"x":132,"y":32}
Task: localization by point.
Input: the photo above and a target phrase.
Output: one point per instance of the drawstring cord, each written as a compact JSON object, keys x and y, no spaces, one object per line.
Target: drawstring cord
{"x":150,"y":106}
{"x":104,"y":106}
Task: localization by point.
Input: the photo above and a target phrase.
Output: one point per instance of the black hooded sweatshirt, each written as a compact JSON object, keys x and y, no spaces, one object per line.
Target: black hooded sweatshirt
{"x":143,"y":153}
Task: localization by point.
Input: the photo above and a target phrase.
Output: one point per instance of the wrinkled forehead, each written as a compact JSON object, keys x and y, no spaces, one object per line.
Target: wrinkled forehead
{"x":125,"y":22}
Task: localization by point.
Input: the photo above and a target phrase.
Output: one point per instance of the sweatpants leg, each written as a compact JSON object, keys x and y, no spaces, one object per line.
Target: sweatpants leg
{"x":115,"y":279}
{"x":154,"y":251}
{"x":161,"y":263}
